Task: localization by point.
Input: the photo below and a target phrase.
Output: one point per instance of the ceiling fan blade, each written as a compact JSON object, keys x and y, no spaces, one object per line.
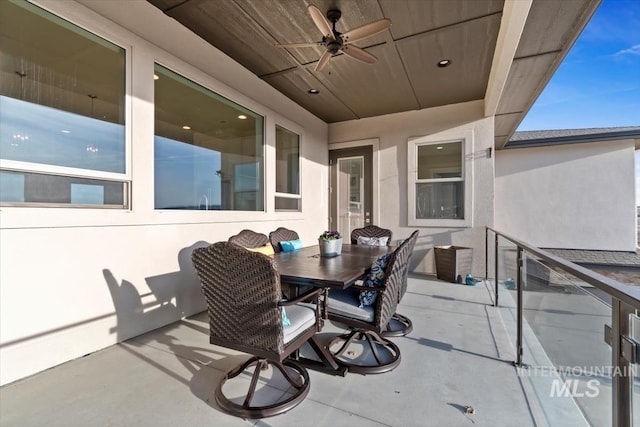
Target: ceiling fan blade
{"x":296,"y":45}
{"x":323,"y":61}
{"x":321,"y":22}
{"x":359,"y":54}
{"x":366,"y":30}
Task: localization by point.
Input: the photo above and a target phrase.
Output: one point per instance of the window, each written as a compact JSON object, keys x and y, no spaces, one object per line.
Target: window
{"x":36,"y":189}
{"x":208,"y":149}
{"x":440,"y":187}
{"x":62,"y":111}
{"x":287,"y":170}
{"x":437,"y":176}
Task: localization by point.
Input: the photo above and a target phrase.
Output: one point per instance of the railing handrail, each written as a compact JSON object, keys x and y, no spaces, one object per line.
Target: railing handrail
{"x":628,"y":294}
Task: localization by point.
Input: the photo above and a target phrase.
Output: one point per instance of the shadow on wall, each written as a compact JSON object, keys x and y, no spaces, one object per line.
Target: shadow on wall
{"x":173,"y":296}
{"x":182,"y":285}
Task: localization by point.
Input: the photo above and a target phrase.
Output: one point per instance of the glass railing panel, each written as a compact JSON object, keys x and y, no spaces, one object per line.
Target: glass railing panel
{"x":566,"y":359}
{"x":507,"y":274}
{"x":567,"y":369}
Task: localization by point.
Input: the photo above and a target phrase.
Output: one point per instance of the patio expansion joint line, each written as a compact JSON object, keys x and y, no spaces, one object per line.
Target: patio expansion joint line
{"x":350,"y":413}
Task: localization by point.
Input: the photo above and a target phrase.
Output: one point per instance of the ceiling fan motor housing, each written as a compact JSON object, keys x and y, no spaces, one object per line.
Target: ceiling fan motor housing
{"x":334,"y":46}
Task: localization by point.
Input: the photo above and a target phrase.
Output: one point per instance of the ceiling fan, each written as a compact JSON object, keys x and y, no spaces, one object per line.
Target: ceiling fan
{"x":335,"y":42}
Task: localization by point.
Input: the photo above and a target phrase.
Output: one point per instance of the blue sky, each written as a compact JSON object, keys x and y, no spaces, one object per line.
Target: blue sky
{"x":598,"y":83}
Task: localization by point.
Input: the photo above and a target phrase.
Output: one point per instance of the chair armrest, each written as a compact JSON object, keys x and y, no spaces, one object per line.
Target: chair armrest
{"x":321,"y":304}
{"x":301,"y":298}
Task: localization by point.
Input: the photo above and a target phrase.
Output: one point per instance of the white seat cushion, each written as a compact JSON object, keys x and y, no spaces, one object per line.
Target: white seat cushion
{"x":373,"y":241}
{"x":302,"y":317}
{"x":346,"y":303}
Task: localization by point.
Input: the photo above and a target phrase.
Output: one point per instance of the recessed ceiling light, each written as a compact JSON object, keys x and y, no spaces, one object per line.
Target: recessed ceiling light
{"x":242,"y":117}
{"x":186,"y":127}
{"x":439,"y":147}
{"x":444,"y":63}
{"x":314,"y":91}
{"x":156,"y":77}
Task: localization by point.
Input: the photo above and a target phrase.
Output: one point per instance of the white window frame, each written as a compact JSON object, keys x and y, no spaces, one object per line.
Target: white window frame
{"x":290,"y":195}
{"x":466,"y":137}
{"x":197,"y":78}
{"x":65,"y":171}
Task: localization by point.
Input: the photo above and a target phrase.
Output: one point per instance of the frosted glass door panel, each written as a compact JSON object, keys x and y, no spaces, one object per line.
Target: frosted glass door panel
{"x":350,"y":194}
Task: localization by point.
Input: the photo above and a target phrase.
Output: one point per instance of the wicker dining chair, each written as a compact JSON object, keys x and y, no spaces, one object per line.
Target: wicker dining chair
{"x":367,"y":323}
{"x":281,"y":234}
{"x":371,"y":231}
{"x":249,"y":239}
{"x":400,"y":325}
{"x":242,"y":292}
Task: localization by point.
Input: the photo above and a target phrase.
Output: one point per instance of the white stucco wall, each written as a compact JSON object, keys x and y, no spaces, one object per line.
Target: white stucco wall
{"x":577,"y":196}
{"x":393,"y":132}
{"x":73,"y":281}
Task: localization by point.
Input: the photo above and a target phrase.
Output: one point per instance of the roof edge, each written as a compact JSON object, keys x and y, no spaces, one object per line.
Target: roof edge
{"x":575,"y":139}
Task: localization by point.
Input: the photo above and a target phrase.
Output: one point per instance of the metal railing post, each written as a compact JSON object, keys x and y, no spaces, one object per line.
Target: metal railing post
{"x":519,"y":310}
{"x":486,"y":254}
{"x":622,"y":370}
{"x":496,"y":266}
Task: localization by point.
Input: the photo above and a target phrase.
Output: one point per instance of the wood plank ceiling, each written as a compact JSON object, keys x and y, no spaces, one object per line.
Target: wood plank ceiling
{"x":406,"y":76}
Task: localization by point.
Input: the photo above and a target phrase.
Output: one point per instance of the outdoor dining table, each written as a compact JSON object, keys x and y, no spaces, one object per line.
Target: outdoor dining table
{"x":305,"y":267}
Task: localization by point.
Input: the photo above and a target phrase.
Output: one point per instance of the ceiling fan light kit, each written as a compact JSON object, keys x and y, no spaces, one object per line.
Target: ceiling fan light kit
{"x":336,"y":42}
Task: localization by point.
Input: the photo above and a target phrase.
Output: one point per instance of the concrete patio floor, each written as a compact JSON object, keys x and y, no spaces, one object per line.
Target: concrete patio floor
{"x":458,"y":355}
